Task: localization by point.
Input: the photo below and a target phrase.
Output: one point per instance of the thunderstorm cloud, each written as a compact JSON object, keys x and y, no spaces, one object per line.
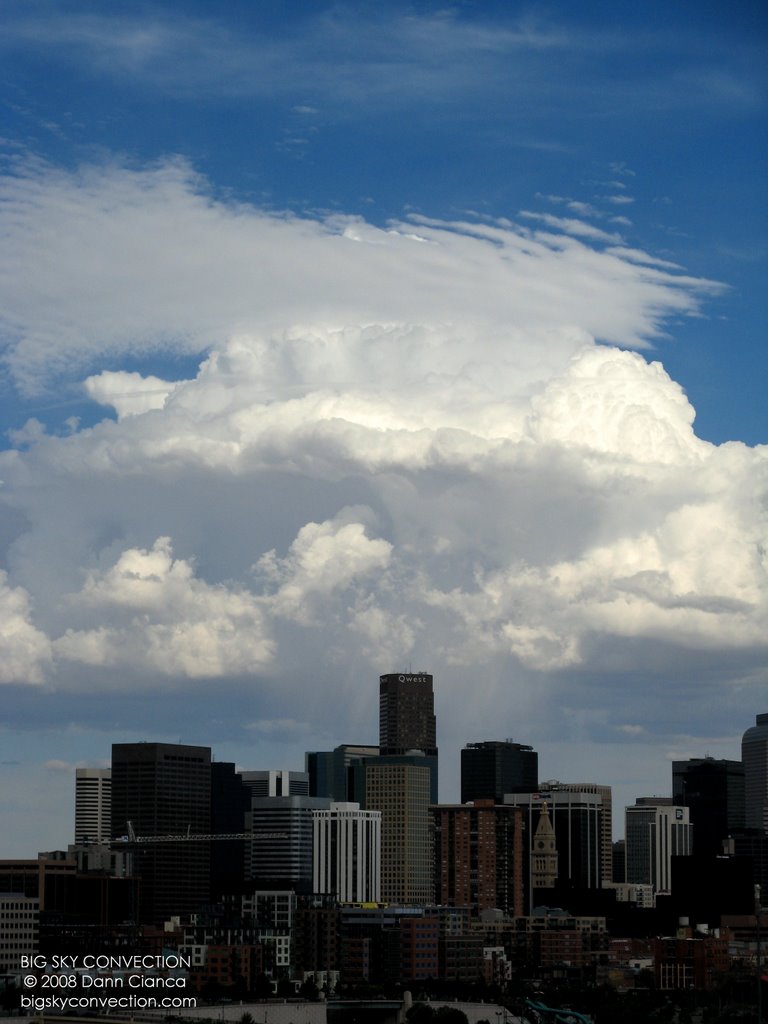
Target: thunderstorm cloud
{"x":452,"y":444}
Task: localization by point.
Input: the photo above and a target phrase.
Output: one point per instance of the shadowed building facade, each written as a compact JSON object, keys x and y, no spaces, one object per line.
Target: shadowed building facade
{"x":407,"y":713}
{"x":754,"y":757}
{"x":605,"y":814}
{"x":407,"y":719}
{"x":280,"y":841}
{"x":656,"y":831}
{"x":399,"y":787}
{"x":332,"y":772}
{"x":713,"y":791}
{"x":577,"y":820}
{"x":164,"y":789}
{"x":479,"y":856}
{"x":494,"y":767}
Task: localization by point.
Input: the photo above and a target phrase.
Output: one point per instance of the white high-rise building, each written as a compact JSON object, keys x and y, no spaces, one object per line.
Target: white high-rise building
{"x":347,"y":853}
{"x":93,"y":805}
{"x":656,"y":831}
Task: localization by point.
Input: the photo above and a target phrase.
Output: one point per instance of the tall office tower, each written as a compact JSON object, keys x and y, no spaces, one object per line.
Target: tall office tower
{"x":619,"y":861}
{"x":347,"y":853}
{"x":281,"y":833}
{"x":753,"y":845}
{"x":276,"y":783}
{"x":754,"y":756}
{"x":577,"y":818}
{"x":407,"y":719}
{"x":331,"y":772}
{"x":407,"y":713}
{"x":606,"y":817}
{"x":230,"y":800}
{"x":713,"y":790}
{"x":93,"y":805}
{"x":399,"y":787}
{"x":164,"y":789}
{"x":479,"y":856}
{"x":492,"y":768}
{"x":656,"y":831}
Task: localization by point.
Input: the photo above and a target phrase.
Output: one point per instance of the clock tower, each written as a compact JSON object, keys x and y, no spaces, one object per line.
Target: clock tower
{"x":544,"y":853}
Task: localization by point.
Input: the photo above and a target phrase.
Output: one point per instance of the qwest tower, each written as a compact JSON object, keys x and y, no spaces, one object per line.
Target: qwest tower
{"x":407,"y":731}
{"x":407,"y":714}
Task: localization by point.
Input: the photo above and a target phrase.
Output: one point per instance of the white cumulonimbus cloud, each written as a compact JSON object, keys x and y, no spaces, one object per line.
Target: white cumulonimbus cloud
{"x":155,"y":615}
{"x":323,"y":558}
{"x":25,"y":651}
{"x":425,"y":441}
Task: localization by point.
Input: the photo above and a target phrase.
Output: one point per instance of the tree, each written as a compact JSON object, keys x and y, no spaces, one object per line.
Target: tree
{"x":420,"y":1013}
{"x":262,"y":987}
{"x":9,"y":997}
{"x":309,"y":990}
{"x":424,"y":1013}
{"x":285,"y":988}
{"x":451,"y":1015}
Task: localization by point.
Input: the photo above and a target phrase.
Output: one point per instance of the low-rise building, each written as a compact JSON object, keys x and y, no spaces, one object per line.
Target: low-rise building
{"x":19,"y":917}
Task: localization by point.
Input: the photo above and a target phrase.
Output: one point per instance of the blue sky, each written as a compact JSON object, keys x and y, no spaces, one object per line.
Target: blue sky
{"x":444,"y":285}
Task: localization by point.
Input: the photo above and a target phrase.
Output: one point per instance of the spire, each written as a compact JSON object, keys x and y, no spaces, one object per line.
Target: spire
{"x":544,"y":852}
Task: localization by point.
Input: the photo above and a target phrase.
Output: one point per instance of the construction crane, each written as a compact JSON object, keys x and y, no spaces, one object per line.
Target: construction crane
{"x":185,"y":837}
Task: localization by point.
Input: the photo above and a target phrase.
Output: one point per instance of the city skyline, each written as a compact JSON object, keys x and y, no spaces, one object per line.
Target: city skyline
{"x":347,"y":341}
{"x":274,"y":782}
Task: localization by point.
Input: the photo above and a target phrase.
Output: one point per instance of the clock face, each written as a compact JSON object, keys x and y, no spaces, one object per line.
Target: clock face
{"x":540,"y":845}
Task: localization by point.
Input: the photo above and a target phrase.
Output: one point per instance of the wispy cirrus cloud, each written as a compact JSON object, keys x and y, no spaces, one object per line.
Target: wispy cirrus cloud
{"x":348,"y":60}
{"x":85,"y":272}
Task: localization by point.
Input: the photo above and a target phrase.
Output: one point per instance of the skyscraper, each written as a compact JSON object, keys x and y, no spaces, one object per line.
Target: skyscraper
{"x":754,"y":756}
{"x":713,"y":790}
{"x":407,"y":719}
{"x":399,"y":787}
{"x":347,"y":853}
{"x":577,"y":820}
{"x":407,"y":713}
{"x":656,"y":831}
{"x":606,"y":817}
{"x":479,"y":856}
{"x":333,"y":773}
{"x":281,"y":835}
{"x":93,"y":805}
{"x":230,"y":800}
{"x":492,"y":768}
{"x":164,"y":789}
